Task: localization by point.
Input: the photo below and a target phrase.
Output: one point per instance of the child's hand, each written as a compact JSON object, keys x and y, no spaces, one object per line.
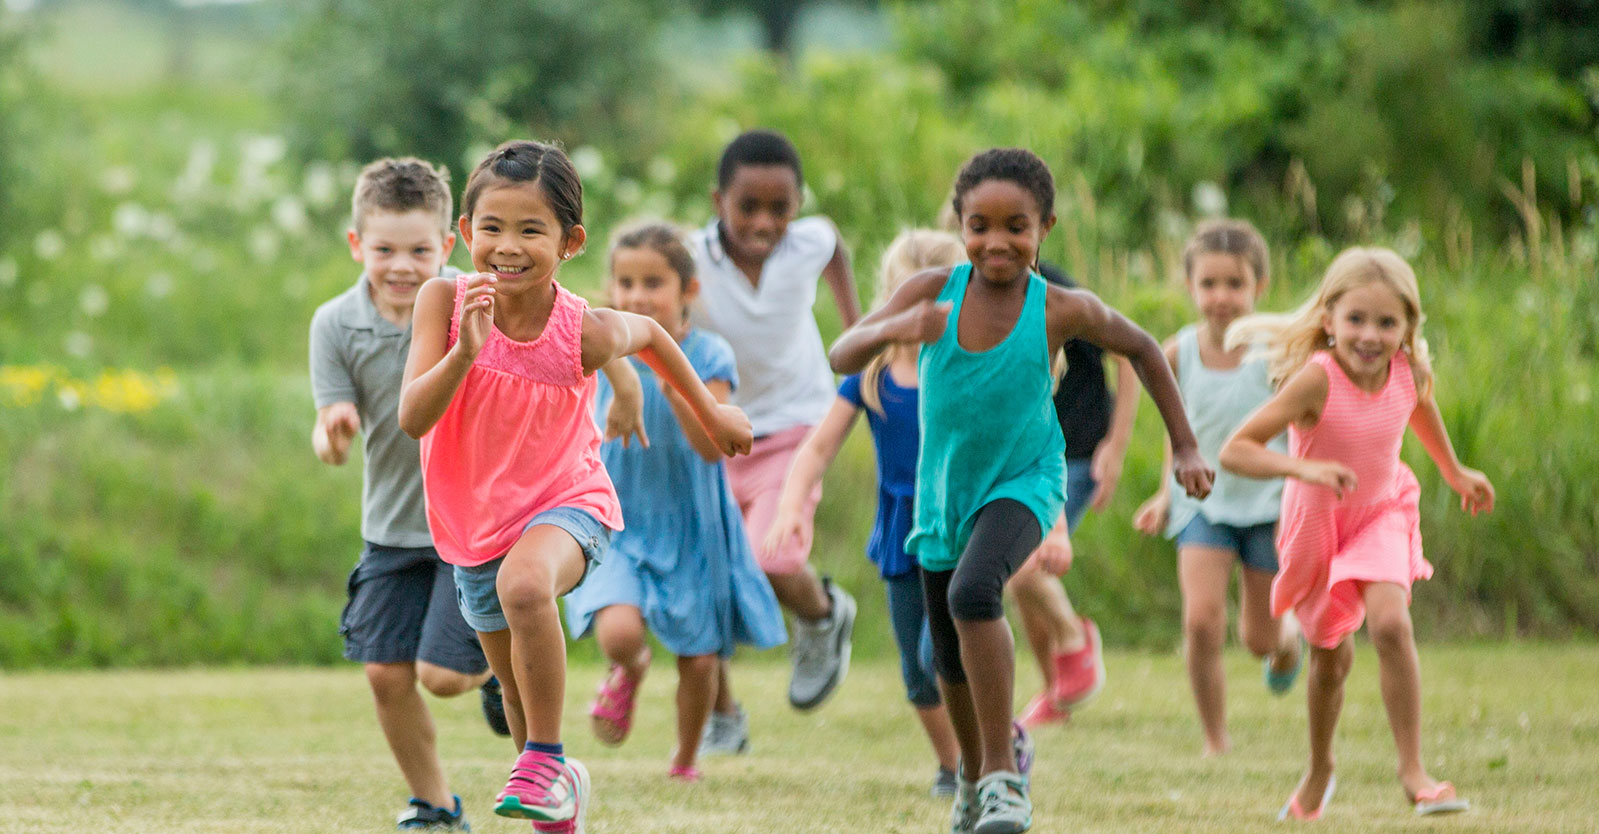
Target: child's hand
{"x":731,"y":431}
{"x":340,"y":422}
{"x":789,"y":526}
{"x":1328,"y":473}
{"x":1192,"y":473}
{"x":625,"y":418}
{"x":477,"y":314}
{"x":1476,"y":493}
{"x":1152,"y":514}
{"x":922,"y":323}
{"x":1106,"y":470}
{"x":1054,"y":553}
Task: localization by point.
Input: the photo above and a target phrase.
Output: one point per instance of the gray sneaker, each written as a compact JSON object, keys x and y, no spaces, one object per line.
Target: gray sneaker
{"x":1006,"y":806}
{"x":944,"y":785}
{"x":726,"y":735}
{"x":820,"y":651}
{"x":963,"y":812}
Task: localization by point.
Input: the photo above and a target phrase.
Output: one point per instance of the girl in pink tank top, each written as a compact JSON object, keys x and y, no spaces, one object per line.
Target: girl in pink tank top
{"x":499,"y":387}
{"x":1353,"y":373}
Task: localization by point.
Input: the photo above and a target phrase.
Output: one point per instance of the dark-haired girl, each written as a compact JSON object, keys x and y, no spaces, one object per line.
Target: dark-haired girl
{"x":499,"y":387}
{"x":989,"y":471}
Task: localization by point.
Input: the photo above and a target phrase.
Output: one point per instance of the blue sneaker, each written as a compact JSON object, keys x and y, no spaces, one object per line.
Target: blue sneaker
{"x":424,"y":816}
{"x":1280,"y":682}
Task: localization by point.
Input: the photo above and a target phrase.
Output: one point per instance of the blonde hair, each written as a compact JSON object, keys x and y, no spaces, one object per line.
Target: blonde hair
{"x":1289,"y":340}
{"x":912,"y":251}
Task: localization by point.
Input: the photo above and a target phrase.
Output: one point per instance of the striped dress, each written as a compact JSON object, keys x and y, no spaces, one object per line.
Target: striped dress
{"x":1330,"y":549}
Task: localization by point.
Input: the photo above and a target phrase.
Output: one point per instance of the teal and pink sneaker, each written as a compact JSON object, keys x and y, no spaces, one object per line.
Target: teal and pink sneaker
{"x":580,"y":801}
{"x":542,"y":787}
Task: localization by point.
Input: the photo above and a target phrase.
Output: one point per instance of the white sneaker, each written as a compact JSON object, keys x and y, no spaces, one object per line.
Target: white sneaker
{"x":820,"y":651}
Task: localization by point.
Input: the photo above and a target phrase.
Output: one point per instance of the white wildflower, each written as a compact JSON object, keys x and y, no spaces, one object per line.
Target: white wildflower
{"x":628,"y":192}
{"x":265,"y":243}
{"x":321,"y":186}
{"x":118,"y":180}
{"x":662,"y":170}
{"x":93,"y":300}
{"x":104,"y":248}
{"x":833,"y":181}
{"x":69,"y":398}
{"x":162,"y":227}
{"x":77,"y":344}
{"x":289,"y":213}
{"x":1209,"y":199}
{"x":49,"y":245}
{"x":158,"y":285}
{"x":8,"y":273}
{"x":588,"y":161}
{"x":130,"y":219}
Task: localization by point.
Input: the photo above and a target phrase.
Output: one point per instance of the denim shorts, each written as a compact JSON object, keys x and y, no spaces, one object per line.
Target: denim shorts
{"x":1080,"y":485}
{"x":1256,"y":545}
{"x":475,"y":585}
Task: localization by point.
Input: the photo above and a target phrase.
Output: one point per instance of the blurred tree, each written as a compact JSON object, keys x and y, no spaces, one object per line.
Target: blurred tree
{"x":13,"y":78}
{"x":778,"y":18}
{"x":1561,"y":34}
{"x":364,"y":78}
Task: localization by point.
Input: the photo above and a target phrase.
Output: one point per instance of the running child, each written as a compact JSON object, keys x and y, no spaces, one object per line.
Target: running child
{"x":990,"y":468}
{"x":1353,"y":373}
{"x":1096,"y":428}
{"x":758,"y":267}
{"x":683,"y":567}
{"x":1226,"y":267}
{"x":886,"y":391}
{"x":401,"y":621}
{"x":500,"y":388}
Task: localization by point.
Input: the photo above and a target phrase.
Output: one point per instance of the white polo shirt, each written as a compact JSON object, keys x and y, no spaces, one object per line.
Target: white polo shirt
{"x":784,"y":378}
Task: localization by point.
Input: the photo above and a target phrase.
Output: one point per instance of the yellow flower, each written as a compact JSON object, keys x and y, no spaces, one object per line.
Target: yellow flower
{"x":122,"y":391}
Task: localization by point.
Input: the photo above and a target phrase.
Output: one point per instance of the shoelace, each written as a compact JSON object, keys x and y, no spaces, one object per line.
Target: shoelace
{"x":528,"y":776}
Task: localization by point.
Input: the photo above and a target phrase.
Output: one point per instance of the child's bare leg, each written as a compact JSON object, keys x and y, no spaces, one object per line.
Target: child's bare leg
{"x":1203,"y":574}
{"x":802,"y":593}
{"x":963,"y":720}
{"x":408,"y":727}
{"x":988,"y":654}
{"x":724,"y":690}
{"x":1048,"y":621}
{"x":696,"y":690}
{"x":619,"y":629}
{"x":941,"y":734}
{"x":448,"y":683}
{"x":543,"y":564}
{"x":1264,"y":635}
{"x":1324,"y":693}
{"x":1388,"y":623}
{"x":497,"y":648}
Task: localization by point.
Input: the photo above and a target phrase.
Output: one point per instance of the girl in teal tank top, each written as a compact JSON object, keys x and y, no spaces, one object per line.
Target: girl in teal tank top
{"x":988,"y":476}
{"x":984,"y":441}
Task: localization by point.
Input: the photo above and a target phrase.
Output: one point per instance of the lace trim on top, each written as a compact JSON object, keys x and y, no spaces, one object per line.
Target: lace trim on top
{"x":554,"y":358}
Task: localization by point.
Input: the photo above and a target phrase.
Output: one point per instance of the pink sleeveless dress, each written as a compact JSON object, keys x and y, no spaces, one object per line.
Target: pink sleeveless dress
{"x":1330,"y":549}
{"x":518,"y":438}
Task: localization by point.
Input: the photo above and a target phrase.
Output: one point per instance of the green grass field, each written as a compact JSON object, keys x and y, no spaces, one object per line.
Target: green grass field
{"x":298,"y":750}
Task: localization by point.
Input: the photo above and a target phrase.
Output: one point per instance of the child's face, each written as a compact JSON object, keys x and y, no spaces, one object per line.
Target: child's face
{"x":1002,"y":226}
{"x":756,"y":208}
{"x":1224,"y":287}
{"x":1367,"y":325}
{"x":400,"y":250}
{"x":643,"y":282}
{"x":514,"y":234}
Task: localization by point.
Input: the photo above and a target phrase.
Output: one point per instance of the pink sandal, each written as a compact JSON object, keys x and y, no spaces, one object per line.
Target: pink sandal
{"x":1439,"y":799}
{"x":1291,"y":809}
{"x":612,"y":710}
{"x":684,"y":774}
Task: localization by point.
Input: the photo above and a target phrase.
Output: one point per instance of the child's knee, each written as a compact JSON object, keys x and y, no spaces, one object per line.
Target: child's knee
{"x":1205,"y":623}
{"x":444,"y":683}
{"x":390,"y":681}
{"x":698,"y":666}
{"x":529,"y":590}
{"x":1332,"y":663}
{"x":1260,"y":638}
{"x":973,"y":599}
{"x":1391,"y":630}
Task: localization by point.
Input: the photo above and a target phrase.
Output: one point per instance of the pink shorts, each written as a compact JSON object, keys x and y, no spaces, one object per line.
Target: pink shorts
{"x":757,"y":482}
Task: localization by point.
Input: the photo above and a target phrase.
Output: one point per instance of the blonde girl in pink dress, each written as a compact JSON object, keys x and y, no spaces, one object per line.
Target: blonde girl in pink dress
{"x":499,"y":387}
{"x":1352,"y":373}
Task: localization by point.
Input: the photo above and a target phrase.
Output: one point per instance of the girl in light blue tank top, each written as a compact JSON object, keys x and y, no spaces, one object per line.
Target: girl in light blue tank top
{"x":989,"y":470}
{"x":1226,"y":263}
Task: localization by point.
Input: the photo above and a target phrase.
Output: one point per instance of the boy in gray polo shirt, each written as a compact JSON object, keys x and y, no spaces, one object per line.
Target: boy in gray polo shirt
{"x":402,"y":620}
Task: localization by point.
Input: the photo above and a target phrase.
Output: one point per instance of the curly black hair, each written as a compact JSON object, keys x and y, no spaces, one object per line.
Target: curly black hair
{"x":758,"y":147}
{"x":1017,"y":165}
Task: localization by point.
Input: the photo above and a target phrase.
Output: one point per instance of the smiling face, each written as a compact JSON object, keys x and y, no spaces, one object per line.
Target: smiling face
{"x":1224,"y":287}
{"x":644,"y":282}
{"x":755,"y":209}
{"x":400,"y":250}
{"x":1001,"y":228}
{"x":514,"y":234}
{"x":1367,"y":325}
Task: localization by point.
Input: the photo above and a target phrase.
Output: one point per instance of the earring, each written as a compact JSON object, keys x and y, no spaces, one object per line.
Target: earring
{"x":1329,"y":340}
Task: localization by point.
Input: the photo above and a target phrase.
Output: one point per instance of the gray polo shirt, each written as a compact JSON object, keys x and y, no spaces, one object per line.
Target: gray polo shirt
{"x":358,"y":356}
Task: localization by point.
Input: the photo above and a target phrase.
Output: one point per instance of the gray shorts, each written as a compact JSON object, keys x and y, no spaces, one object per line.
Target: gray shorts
{"x":475,"y":585}
{"x":401,"y":609}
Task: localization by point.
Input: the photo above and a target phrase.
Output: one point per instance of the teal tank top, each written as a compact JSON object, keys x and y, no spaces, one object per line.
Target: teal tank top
{"x":989,"y":429}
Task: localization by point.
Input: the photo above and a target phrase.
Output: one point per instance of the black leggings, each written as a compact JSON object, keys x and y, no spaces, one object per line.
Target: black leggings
{"x":1004,"y":534}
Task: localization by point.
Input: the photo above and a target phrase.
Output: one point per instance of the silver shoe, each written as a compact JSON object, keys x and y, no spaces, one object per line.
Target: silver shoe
{"x":820,"y":651}
{"x":726,"y":734}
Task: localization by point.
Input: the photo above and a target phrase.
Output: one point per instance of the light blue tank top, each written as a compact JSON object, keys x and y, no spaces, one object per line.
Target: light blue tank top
{"x":988,"y":428}
{"x":1217,"y":403}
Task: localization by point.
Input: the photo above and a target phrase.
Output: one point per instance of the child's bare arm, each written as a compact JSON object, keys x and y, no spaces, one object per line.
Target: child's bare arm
{"x":1150,"y":518}
{"x":336,"y":425}
{"x":1299,"y":402}
{"x":1080,"y":314}
{"x":811,"y":460}
{"x":1476,"y":492}
{"x":701,"y":442}
{"x":625,"y":418}
{"x":612,"y":334}
{"x":841,"y":280}
{"x":432,"y":373}
{"x":909,"y":316}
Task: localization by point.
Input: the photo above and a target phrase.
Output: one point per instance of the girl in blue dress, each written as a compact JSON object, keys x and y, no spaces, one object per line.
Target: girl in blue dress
{"x":886,"y":391}
{"x":683,"y":566}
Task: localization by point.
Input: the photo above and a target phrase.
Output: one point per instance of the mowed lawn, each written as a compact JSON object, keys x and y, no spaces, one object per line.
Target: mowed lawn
{"x":298,"y":750}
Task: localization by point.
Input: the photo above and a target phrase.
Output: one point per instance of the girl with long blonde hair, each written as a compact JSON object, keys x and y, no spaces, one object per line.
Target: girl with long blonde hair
{"x":1353,"y":373}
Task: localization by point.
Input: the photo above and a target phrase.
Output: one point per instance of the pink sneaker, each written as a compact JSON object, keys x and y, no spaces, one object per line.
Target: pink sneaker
{"x":580,"y":802}
{"x":1042,"y":710}
{"x":612,"y":710}
{"x":1080,"y":675}
{"x":541,"y":788}
{"x":684,"y":774}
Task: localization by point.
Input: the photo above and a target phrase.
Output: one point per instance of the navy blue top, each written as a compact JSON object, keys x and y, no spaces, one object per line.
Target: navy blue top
{"x":896,"y":434}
